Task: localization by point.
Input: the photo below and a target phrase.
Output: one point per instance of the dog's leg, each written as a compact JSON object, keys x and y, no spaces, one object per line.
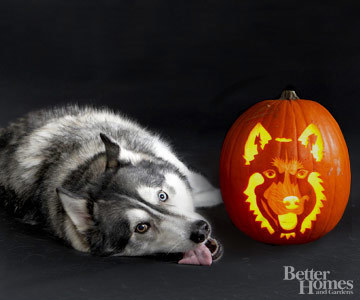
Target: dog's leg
{"x":204,"y":193}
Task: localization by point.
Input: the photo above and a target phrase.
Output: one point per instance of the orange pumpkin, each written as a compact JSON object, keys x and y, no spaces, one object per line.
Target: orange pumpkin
{"x":285,"y":171}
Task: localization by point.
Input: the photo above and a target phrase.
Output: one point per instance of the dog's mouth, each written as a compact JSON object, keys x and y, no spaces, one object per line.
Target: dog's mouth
{"x":204,"y":254}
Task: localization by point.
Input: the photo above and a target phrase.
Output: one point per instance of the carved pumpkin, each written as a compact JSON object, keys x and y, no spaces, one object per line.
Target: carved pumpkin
{"x":285,"y":171}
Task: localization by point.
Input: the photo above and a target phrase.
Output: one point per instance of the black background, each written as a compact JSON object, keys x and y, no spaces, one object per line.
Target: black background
{"x":186,"y":69}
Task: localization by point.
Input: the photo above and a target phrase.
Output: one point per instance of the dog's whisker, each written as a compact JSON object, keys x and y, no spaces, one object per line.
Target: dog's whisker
{"x":172,"y":248}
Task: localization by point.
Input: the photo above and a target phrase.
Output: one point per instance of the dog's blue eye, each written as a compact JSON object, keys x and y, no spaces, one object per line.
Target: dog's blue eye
{"x":162,"y":196}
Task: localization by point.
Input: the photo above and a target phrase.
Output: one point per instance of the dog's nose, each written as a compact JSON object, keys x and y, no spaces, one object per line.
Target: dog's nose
{"x":200,"y":231}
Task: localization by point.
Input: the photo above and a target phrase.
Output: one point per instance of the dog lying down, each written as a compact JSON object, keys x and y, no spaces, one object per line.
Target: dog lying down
{"x":105,"y":185}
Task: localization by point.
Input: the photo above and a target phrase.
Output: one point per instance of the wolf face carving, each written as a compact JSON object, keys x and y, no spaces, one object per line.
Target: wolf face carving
{"x":283,"y":194}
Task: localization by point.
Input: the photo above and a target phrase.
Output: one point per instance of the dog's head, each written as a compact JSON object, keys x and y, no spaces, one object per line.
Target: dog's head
{"x":284,"y":194}
{"x":133,"y":207}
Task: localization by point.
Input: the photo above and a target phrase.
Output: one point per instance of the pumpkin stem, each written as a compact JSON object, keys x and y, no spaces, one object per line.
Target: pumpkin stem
{"x":289,"y":95}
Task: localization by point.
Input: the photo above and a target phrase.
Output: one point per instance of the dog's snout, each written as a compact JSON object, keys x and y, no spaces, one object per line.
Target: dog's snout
{"x":200,"y":231}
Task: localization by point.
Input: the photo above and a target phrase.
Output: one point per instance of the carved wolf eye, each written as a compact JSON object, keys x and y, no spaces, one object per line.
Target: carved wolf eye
{"x":142,"y":227}
{"x":163,"y":196}
{"x":302,"y":173}
{"x":270,"y":173}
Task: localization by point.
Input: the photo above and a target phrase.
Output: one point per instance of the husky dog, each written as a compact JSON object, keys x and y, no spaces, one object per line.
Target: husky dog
{"x":104,"y":184}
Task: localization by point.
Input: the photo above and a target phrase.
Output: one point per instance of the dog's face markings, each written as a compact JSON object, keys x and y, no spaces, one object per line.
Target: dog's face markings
{"x":161,"y":202}
{"x":173,"y":191}
{"x":127,"y":226}
{"x":165,"y":233}
{"x":134,"y":209}
{"x":283,"y":194}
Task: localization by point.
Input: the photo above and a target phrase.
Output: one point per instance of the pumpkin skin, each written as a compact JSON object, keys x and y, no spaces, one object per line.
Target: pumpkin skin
{"x":285,"y":171}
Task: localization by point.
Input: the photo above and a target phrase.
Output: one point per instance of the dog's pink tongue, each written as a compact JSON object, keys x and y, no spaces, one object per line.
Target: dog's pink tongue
{"x":200,"y":256}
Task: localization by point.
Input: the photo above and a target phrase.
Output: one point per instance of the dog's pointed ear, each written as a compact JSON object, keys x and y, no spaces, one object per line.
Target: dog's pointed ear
{"x":76,"y":208}
{"x":112,"y":150}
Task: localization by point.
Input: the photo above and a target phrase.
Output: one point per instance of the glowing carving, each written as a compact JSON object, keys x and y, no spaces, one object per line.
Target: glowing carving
{"x":318,"y":147}
{"x":291,"y":202}
{"x":288,"y":221}
{"x":287,"y":166}
{"x":281,"y":205}
{"x":251,"y":148}
{"x":287,"y":235}
{"x":315,"y":182}
{"x":283,"y":140}
{"x":255,"y":180}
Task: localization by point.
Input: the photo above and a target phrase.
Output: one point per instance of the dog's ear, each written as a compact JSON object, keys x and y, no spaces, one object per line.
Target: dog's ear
{"x":112,"y":150}
{"x":76,"y":208}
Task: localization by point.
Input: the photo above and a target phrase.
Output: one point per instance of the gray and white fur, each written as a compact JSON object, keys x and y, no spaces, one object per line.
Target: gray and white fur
{"x":102,"y":183}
